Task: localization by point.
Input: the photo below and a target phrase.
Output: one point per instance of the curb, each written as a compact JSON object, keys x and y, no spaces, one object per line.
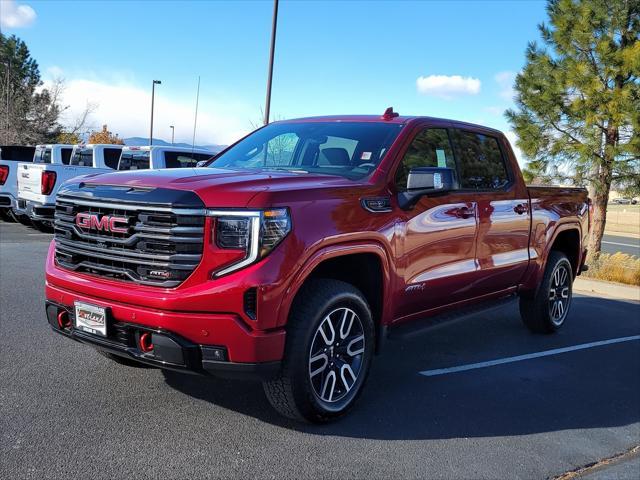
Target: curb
{"x":610,"y":289}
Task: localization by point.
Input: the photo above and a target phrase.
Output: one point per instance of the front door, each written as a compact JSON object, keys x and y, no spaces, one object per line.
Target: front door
{"x":438,"y":235}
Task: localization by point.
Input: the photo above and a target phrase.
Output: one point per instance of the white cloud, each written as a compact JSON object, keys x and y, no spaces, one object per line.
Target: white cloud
{"x":14,"y":15}
{"x":505,"y":81}
{"x":493,"y":110}
{"x":125,"y":108}
{"x":447,"y":86}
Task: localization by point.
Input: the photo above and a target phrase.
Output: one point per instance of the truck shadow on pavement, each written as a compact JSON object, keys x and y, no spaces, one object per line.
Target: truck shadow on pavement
{"x":590,"y":388}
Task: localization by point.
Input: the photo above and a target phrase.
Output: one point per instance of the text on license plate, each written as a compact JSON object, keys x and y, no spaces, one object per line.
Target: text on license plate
{"x":91,"y":318}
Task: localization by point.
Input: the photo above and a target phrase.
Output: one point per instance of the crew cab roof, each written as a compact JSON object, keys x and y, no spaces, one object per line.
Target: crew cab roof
{"x":400,"y":120}
{"x":94,"y":145}
{"x":52,"y":145}
{"x":168,"y":148}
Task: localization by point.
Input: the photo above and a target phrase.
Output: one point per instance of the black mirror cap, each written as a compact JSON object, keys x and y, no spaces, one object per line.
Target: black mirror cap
{"x":425,"y":180}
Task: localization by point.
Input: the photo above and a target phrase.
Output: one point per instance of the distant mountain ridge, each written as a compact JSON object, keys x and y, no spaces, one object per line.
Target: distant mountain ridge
{"x":142,"y":141}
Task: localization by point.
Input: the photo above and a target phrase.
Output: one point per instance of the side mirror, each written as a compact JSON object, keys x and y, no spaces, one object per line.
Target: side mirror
{"x":201,"y":163}
{"x":425,"y":180}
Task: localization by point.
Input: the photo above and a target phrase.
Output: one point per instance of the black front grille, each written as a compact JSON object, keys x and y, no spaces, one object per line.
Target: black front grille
{"x":148,"y":244}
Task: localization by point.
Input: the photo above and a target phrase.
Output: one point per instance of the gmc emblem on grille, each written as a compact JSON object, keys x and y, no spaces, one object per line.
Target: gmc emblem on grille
{"x":106,"y":223}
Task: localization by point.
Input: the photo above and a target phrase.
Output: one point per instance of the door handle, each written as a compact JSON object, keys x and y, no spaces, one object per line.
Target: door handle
{"x":463,"y":212}
{"x":520,"y":208}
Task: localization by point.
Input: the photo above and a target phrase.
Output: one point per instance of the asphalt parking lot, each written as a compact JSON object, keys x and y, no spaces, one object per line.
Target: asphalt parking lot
{"x":69,"y":412}
{"x":621,"y":243}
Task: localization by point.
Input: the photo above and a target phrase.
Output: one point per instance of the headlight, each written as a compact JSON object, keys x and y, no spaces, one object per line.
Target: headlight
{"x":256,"y":233}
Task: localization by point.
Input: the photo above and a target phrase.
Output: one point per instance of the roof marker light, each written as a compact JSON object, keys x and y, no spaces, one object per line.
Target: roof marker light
{"x":389,"y":114}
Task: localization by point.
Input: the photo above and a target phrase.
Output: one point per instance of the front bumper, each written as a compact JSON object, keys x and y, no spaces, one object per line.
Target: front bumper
{"x":171,"y":351}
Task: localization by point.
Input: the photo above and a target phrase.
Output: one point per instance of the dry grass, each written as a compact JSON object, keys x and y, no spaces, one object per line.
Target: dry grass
{"x":619,"y":267}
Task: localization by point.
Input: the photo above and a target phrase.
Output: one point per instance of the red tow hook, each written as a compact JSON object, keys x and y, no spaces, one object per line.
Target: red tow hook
{"x":145,"y":342}
{"x":63,"y":319}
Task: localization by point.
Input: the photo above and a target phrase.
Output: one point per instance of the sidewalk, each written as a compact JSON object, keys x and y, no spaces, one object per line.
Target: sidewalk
{"x":609,"y":289}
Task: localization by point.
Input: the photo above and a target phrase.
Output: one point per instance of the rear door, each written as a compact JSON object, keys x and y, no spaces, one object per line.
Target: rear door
{"x":502,"y":204}
{"x":438,"y":235}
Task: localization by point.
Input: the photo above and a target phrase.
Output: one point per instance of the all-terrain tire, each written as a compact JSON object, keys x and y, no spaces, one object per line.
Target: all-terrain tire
{"x":547,"y":310}
{"x":299,"y":393}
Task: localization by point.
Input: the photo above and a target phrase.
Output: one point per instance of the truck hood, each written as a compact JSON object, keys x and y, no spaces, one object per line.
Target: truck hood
{"x":219,"y":187}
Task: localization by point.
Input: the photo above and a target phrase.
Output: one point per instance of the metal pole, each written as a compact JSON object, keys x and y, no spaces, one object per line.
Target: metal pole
{"x":274,"y":24}
{"x":195,"y":118}
{"x":153,"y":93}
{"x":173,"y":131}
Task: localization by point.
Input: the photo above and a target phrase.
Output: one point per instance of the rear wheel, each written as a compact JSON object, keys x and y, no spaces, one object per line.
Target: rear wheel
{"x":547,"y":311}
{"x":5,"y":215}
{"x":23,"y":219}
{"x":330,"y":341}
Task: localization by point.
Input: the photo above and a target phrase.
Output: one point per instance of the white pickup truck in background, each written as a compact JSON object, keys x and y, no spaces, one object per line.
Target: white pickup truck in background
{"x":10,"y":158}
{"x":39,"y":182}
{"x":154,"y":157}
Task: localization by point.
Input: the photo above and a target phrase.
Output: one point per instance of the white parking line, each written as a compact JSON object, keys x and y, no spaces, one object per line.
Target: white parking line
{"x":622,"y":244}
{"x":528,"y":356}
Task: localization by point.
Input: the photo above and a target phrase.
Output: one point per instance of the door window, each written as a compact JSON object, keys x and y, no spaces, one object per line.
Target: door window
{"x":482,"y":165}
{"x":42,"y":156}
{"x":134,"y":160}
{"x":82,"y":157}
{"x":430,"y":148}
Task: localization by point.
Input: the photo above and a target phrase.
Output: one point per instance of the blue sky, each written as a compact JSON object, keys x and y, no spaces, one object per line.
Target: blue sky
{"x":332,"y":57}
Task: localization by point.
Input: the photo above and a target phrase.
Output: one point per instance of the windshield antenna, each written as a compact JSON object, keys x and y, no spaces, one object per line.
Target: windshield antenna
{"x":195,"y":119}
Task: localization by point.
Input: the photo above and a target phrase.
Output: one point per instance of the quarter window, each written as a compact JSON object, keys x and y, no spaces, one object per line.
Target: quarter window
{"x":430,"y":148}
{"x":112,"y":157}
{"x":482,"y":166}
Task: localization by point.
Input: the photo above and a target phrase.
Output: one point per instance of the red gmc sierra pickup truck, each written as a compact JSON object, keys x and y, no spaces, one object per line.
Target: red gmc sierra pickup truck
{"x":292,"y":255}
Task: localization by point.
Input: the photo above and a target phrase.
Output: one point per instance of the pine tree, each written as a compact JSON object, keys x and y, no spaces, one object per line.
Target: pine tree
{"x":28,"y":113}
{"x":578,"y":99}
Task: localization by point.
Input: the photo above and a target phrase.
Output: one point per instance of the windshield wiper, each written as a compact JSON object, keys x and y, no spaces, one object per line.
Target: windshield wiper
{"x":283,"y":169}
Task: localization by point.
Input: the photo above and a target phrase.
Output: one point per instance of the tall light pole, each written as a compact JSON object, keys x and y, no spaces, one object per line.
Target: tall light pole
{"x":153,"y":94}
{"x":272,"y":52}
{"x":173,"y":131}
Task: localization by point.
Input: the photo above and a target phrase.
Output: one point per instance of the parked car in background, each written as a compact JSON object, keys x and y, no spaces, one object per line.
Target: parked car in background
{"x":10,"y":158}
{"x":38,"y":182}
{"x":155,"y":157}
{"x":300,"y":249}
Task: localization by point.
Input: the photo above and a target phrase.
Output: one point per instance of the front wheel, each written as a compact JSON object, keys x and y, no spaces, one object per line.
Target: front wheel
{"x":44,"y":227}
{"x":330,"y":342}
{"x":547,"y":310}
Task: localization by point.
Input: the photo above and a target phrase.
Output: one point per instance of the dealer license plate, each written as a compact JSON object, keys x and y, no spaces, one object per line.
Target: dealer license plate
{"x":91,"y":318}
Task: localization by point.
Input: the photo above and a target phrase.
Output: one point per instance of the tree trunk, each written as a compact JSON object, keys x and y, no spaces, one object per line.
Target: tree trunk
{"x":602,"y":186}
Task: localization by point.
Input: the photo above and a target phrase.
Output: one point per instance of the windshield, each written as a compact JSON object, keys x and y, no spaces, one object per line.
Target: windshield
{"x":349,"y":149}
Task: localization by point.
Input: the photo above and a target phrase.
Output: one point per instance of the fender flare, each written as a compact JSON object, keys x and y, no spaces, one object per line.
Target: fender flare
{"x":332,"y":251}
{"x":561,"y":226}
